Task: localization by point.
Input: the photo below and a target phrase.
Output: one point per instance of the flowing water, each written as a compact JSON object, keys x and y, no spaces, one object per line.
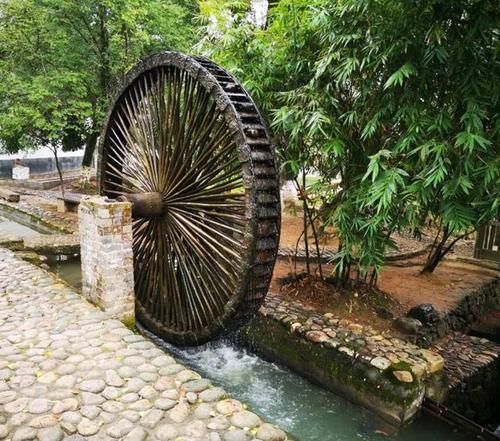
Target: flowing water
{"x":9,"y":227}
{"x":307,"y":412}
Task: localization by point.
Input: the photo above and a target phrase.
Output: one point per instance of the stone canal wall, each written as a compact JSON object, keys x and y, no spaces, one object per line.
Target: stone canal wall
{"x":376,"y":370}
{"x":471,"y":381}
{"x":37,"y":219}
{"x":463,"y":315}
{"x":57,"y":234}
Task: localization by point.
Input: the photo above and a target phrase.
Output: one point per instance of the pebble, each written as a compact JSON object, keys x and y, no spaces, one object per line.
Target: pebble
{"x":90,"y":412}
{"x":152,"y":418}
{"x":403,"y":376}
{"x":237,"y":435}
{"x":316,"y":336}
{"x":50,"y":434}
{"x":164,"y":403}
{"x":380,"y":363}
{"x":87,"y":427}
{"x":141,"y":405}
{"x":228,"y":406}
{"x":24,"y":434}
{"x":131,"y":415}
{"x":65,"y":405}
{"x":245,"y":419}
{"x":111,"y":393}
{"x":166,"y":432}
{"x":203,"y":411}
{"x":196,"y":429}
{"x":180,"y":412}
{"x":39,"y":405}
{"x":43,"y":421}
{"x":4,"y":431}
{"x":120,"y":428}
{"x":7,"y":396}
{"x":65,"y":382}
{"x":94,"y":386}
{"x":218,"y":422}
{"x":136,"y":434}
{"x":148,"y":392}
{"x":196,"y":385}
{"x":71,"y":417}
{"x":89,"y":398}
{"x":16,"y":406}
{"x":268,"y":432}
{"x":113,"y":379}
{"x":113,"y":406}
{"x":213,"y":394}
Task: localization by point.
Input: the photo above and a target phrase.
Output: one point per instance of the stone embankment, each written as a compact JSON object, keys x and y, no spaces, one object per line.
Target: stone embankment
{"x":377,"y":370}
{"x":461,"y":317}
{"x":471,"y":381}
{"x":69,"y":371}
{"x":37,"y":216}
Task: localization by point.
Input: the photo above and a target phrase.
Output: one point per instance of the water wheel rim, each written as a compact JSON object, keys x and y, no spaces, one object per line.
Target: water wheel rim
{"x":260,"y":204}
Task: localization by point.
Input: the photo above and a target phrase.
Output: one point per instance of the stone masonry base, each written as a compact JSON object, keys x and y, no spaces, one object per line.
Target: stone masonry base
{"x":106,"y":255}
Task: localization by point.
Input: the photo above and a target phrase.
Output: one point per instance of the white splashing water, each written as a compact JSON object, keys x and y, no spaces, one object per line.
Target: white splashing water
{"x":307,"y":412}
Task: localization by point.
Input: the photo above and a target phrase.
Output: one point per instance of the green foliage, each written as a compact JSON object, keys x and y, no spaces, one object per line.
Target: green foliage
{"x":60,"y":61}
{"x":400,"y":99}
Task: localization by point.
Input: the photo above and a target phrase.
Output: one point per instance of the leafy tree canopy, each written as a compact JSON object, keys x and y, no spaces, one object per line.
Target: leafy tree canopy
{"x":60,"y":60}
{"x":398,"y":97}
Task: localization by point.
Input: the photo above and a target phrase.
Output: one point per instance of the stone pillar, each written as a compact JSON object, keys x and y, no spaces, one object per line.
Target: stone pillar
{"x":106,"y":255}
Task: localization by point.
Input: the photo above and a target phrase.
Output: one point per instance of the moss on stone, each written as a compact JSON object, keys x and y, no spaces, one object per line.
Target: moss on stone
{"x":335,"y":370}
{"x":129,"y":322}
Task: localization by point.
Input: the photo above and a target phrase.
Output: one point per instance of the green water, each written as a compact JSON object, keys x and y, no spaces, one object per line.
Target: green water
{"x":307,"y":412}
{"x":67,"y":268}
{"x":11,"y":228}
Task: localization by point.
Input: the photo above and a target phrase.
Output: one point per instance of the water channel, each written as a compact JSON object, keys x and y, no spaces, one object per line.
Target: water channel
{"x":12,"y":228}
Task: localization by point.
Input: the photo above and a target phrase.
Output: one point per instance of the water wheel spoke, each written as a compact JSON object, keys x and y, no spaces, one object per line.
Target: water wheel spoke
{"x":212,"y":267}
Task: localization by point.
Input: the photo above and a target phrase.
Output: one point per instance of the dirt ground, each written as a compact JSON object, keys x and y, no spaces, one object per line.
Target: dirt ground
{"x":399,"y":289}
{"x":400,"y":286}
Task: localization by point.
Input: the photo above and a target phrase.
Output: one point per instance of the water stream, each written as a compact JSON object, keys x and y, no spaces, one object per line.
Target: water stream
{"x":305,"y":411}
{"x":9,"y":227}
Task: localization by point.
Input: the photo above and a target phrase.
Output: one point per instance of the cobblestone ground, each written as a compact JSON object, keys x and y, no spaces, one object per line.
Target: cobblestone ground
{"x":69,"y":371}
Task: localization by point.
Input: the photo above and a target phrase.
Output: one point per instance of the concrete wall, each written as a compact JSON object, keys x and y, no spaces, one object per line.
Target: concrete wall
{"x":40,"y":165}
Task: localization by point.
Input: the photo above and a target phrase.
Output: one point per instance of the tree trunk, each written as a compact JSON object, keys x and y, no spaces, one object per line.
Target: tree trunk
{"x":433,"y":261}
{"x":304,"y":209}
{"x":90,"y":145}
{"x":316,"y":243}
{"x":58,"y":166}
{"x":438,"y":252}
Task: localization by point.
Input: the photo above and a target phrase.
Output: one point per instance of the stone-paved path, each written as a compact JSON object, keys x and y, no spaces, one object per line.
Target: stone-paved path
{"x":69,"y":371}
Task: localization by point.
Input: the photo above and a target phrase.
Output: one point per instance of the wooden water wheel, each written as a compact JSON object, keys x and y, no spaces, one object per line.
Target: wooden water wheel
{"x":185,"y":143}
